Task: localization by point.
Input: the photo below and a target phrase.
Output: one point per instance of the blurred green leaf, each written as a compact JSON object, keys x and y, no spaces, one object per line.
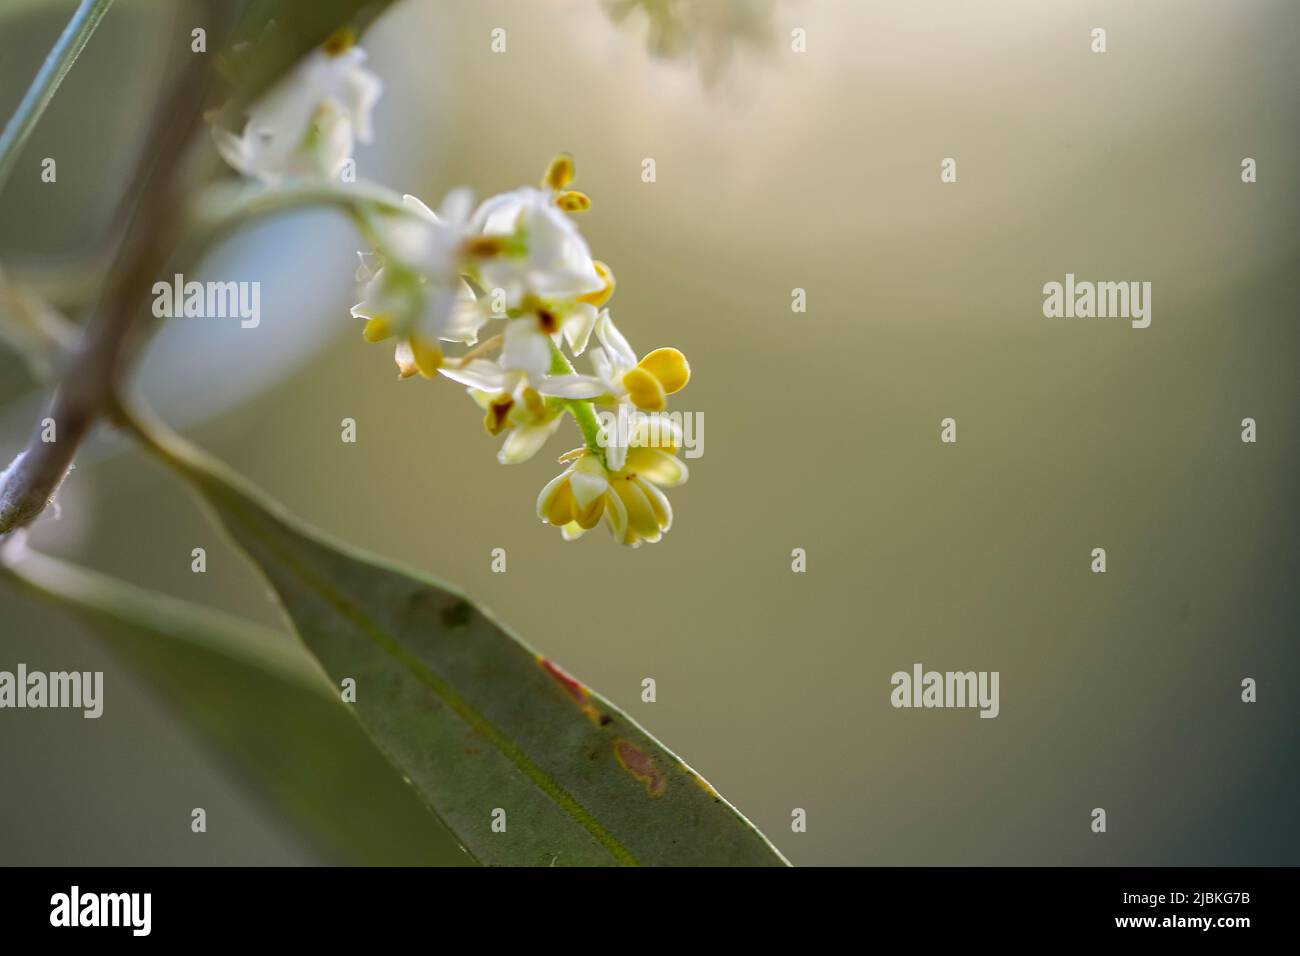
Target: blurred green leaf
{"x":478,"y":721}
{"x":268,"y":710}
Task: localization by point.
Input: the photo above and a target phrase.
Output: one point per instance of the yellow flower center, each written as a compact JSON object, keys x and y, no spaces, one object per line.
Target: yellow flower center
{"x":497,"y":412}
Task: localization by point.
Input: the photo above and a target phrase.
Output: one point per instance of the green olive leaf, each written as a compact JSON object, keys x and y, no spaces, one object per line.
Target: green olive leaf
{"x":522,"y":762}
{"x":264,"y":706}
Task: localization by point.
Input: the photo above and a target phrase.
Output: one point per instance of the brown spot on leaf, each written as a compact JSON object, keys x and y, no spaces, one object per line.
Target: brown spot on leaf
{"x":638,"y":763}
{"x":457,"y":614}
{"x":574,"y":688}
{"x":567,"y":681}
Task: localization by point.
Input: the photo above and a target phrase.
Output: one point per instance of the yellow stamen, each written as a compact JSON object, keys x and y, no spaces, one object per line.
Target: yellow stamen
{"x":428,"y":357}
{"x":669,"y":366}
{"x":340,"y":41}
{"x":573,"y":454}
{"x":589,"y":518}
{"x":560,"y":173}
{"x":573,"y":201}
{"x":534,"y":402}
{"x":487,"y":345}
{"x":600,"y":298}
{"x":378,"y":328}
{"x":644,"y":390}
{"x":561,"y":510}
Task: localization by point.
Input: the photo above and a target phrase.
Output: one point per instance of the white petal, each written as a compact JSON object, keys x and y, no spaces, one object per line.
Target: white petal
{"x":405,"y":356}
{"x":526,"y":348}
{"x":524,"y":441}
{"x":456,"y":207}
{"x":588,"y":481}
{"x":416,"y":205}
{"x":578,"y":326}
{"x":659,"y":467}
{"x":620,"y":352}
{"x":601,"y":363}
{"x":465,"y":320}
{"x":233,"y":149}
{"x":616,"y":515}
{"x":361,"y":92}
{"x":615,"y":452}
{"x":572,"y":531}
{"x":481,"y":374}
{"x":499,"y":215}
{"x":368,"y":265}
{"x":547,"y":494}
{"x":659,"y":503}
{"x":571,"y":386}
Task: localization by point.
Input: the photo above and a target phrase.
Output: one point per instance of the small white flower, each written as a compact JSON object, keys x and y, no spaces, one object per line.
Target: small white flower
{"x":544,"y":255}
{"x":309,"y":122}
{"x":622,"y":380}
{"x":527,"y":419}
{"x":417,"y":293}
{"x":513,"y":402}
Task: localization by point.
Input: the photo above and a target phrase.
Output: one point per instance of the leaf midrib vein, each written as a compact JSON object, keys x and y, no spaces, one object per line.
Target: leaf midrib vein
{"x":445,"y":692}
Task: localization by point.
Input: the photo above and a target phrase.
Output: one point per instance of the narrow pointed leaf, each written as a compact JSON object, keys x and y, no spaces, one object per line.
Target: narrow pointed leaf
{"x":487,"y":730}
{"x":266,"y":710}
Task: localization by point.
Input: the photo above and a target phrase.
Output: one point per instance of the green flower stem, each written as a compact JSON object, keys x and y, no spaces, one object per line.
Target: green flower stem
{"x":583,"y":410}
{"x":56,"y":66}
{"x":223,"y":207}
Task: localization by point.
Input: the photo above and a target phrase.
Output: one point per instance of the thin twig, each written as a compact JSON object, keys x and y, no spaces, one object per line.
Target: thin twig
{"x":95,"y":366}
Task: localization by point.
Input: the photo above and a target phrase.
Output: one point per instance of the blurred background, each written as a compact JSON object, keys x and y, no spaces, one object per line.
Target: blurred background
{"x":775,"y":170}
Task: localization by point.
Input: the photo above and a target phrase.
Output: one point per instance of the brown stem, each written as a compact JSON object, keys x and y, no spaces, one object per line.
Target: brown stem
{"x":152,"y":205}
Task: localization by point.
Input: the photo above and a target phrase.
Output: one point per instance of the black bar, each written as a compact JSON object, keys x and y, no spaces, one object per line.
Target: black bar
{"x":214,"y":905}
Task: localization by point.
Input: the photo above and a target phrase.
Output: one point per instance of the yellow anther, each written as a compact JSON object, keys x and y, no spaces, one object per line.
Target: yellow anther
{"x":644,"y":390}
{"x":669,"y":366}
{"x":534,"y":402}
{"x":560,"y":510}
{"x":497,"y":412}
{"x":560,"y":173}
{"x":601,"y":297}
{"x":340,"y":41}
{"x":378,"y":328}
{"x":428,"y":357}
{"x":484,"y":247}
{"x":573,"y":201}
{"x":588,"y":518}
